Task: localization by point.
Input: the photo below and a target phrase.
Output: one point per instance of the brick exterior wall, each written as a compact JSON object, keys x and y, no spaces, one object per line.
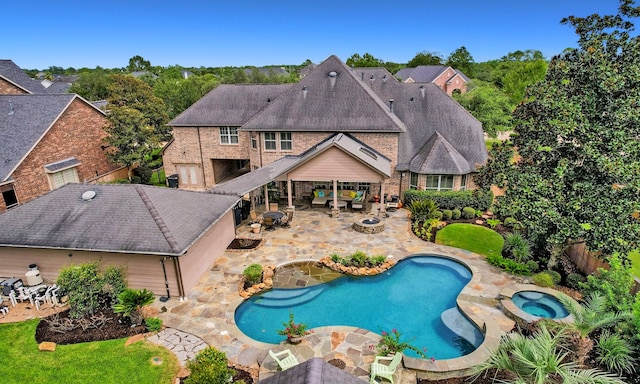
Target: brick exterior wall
{"x":457,"y":83}
{"x":7,"y":88}
{"x":77,"y":133}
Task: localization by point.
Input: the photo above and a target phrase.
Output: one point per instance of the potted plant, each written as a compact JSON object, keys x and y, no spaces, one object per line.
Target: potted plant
{"x":390,"y":344}
{"x":293,"y":331}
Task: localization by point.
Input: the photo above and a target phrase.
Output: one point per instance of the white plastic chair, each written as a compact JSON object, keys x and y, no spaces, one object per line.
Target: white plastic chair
{"x":385,"y":371}
{"x":285,"y":359}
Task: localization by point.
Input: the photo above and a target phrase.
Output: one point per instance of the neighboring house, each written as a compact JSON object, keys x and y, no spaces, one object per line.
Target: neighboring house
{"x":447,"y":78}
{"x":46,"y":141}
{"x":158,"y":234}
{"x":430,"y":141}
{"x":13,"y":81}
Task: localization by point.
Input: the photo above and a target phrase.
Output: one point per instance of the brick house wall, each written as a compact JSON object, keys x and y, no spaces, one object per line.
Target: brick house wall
{"x":7,"y":88}
{"x":77,"y":133}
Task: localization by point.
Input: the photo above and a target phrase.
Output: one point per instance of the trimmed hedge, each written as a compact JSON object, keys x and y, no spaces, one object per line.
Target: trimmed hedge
{"x":478,"y":199}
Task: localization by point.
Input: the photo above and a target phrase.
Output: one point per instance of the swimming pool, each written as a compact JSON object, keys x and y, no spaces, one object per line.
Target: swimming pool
{"x":417,"y":297}
{"x":540,"y":304}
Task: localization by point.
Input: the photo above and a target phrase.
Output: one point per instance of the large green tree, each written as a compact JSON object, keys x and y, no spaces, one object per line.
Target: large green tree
{"x":489,"y":105}
{"x":461,"y":60}
{"x":425,"y":58}
{"x":578,"y":142}
{"x":92,"y":85}
{"x":366,"y":60}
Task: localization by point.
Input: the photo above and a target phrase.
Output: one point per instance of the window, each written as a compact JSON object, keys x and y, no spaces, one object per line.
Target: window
{"x":413,"y":180}
{"x":254,"y":143}
{"x":463,"y":182}
{"x":9,"y":195}
{"x":439,"y":182}
{"x":228,"y":135}
{"x":286,"y":144}
{"x":270,"y":141}
{"x":66,"y":176}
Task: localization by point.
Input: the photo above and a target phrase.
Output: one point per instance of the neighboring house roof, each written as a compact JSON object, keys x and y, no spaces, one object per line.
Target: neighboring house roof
{"x":313,"y":371}
{"x":425,"y":73}
{"x":14,"y":74}
{"x":229,"y":105}
{"x":329,"y":99}
{"x":136,"y":218}
{"x":24,"y":120}
{"x":263,"y":175}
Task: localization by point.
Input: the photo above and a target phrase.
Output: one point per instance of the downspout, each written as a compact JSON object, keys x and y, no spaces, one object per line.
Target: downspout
{"x":204,"y":174}
{"x":176,"y":265}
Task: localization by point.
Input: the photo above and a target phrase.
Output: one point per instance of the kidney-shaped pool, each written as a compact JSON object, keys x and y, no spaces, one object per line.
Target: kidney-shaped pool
{"x":417,"y":297}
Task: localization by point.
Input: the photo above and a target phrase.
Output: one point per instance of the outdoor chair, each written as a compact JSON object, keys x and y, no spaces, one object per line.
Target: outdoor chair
{"x":285,"y":359}
{"x":268,"y":223}
{"x":254,"y":218}
{"x":285,"y":221}
{"x":393,"y":203}
{"x":358,"y":202}
{"x":385,"y":371}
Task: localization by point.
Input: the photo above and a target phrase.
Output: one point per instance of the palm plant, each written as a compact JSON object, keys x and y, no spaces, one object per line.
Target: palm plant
{"x":587,"y":318}
{"x":539,"y":359}
{"x":517,"y":247}
{"x":422,"y":210}
{"x":130,"y":301}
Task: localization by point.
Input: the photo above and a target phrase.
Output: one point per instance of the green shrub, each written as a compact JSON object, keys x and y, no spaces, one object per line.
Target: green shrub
{"x":543,"y":279}
{"x":510,"y":222}
{"x":555,"y":276}
{"x":87,"y":289}
{"x":493,"y":223}
{"x":482,"y":199}
{"x":575,"y":279}
{"x":615,"y":353}
{"x":455,"y":214}
{"x":153,"y":324}
{"x":130,"y":301}
{"x":437,"y":215}
{"x":447,"y":214}
{"x":359,"y":259}
{"x":209,"y":366}
{"x":468,"y":213}
{"x":516,"y":247}
{"x":532,"y":265}
{"x":422,"y":210}
{"x":253,"y":274}
{"x":378,"y":260}
{"x":336,"y":258}
{"x":508,"y":265}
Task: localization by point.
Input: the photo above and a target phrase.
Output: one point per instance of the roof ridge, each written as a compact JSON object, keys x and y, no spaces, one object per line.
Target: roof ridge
{"x":155,"y":215}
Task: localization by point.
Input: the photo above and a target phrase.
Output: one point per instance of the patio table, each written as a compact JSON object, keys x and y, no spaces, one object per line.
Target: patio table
{"x":341,"y":204}
{"x":275,"y":215}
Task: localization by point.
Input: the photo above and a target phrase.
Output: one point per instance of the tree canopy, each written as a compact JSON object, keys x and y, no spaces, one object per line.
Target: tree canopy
{"x":577,"y":177}
{"x":461,"y":60}
{"x":425,"y":58}
{"x":366,"y":60}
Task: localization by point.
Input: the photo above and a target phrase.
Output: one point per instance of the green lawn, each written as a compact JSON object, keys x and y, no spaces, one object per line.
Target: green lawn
{"x":474,"y":238}
{"x":635,"y":262}
{"x":96,"y":362}
{"x":158,"y":178}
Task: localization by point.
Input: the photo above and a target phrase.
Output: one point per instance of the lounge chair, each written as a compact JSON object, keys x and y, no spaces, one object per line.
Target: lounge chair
{"x":268,"y":223}
{"x":285,"y":359}
{"x":385,"y":371}
{"x":358,"y":201}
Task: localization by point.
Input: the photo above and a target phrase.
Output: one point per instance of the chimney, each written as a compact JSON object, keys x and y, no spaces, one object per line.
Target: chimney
{"x":391,"y":105}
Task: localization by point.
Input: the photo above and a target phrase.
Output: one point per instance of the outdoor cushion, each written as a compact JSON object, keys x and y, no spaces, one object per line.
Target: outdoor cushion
{"x":353,"y":194}
{"x":331,"y":194}
{"x":345,"y":193}
{"x":315,"y":193}
{"x":320,"y":193}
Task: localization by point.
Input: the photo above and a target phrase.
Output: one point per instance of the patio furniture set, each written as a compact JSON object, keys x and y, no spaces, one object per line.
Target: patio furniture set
{"x":37,"y":295}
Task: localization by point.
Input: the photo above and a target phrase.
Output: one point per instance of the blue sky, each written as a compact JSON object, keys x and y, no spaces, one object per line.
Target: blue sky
{"x":193,"y":33}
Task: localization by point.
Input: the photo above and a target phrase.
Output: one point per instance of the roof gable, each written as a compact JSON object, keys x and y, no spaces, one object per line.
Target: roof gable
{"x":438,"y":156}
{"x":120,"y":218}
{"x":14,"y":74}
{"x":24,"y":120}
{"x":331,"y":98}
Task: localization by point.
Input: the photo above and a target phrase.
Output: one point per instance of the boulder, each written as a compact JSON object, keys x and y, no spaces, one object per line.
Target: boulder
{"x":47,"y":346}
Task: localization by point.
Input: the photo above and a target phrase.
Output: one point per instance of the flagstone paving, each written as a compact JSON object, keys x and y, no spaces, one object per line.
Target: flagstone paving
{"x":208,"y":310}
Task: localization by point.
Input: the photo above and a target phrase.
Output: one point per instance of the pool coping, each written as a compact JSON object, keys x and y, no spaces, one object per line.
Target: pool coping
{"x":428,"y":369}
{"x":520,"y":316}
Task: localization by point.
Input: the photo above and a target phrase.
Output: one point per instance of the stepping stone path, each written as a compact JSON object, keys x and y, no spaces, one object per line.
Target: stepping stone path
{"x":184,"y":345}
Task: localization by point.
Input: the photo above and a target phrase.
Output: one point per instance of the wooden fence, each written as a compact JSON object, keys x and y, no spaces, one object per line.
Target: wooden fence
{"x":588,"y":263}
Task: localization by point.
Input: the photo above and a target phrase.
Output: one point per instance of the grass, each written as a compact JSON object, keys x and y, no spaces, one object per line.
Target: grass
{"x":158,"y":178}
{"x":634,"y":256}
{"x":95,"y":362}
{"x":474,"y":238}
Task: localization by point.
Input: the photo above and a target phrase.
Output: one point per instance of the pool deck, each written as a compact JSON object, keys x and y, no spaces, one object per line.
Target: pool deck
{"x":208,"y":310}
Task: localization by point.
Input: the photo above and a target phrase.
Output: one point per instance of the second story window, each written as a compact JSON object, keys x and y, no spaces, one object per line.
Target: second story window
{"x":286,"y":144}
{"x":270,"y":141}
{"x":228,"y":135}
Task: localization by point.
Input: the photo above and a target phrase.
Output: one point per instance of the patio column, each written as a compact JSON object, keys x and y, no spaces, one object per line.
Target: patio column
{"x":335,"y":211}
{"x":289,"y":197}
{"x":383,"y":205}
{"x":266,"y":197}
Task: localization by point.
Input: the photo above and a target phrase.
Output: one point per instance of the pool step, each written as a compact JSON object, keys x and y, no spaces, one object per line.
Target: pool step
{"x":453,"y":265}
{"x":281,"y":298}
{"x":461,"y":326}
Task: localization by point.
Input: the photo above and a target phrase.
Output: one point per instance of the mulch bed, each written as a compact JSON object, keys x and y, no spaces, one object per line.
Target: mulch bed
{"x":113,"y":329}
{"x":244,"y":244}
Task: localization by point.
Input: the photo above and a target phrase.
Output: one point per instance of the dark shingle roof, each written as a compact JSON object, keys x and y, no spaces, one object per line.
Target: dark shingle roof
{"x":24,"y":119}
{"x":229,"y":105}
{"x":313,"y":371}
{"x":120,"y":218}
{"x":329,"y":99}
{"x":10,"y":71}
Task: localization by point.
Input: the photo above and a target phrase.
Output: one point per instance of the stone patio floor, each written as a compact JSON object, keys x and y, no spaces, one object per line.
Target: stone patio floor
{"x":208,"y":310}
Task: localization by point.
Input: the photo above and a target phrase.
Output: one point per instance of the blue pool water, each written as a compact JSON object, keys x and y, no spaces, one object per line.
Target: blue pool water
{"x":540,"y":304}
{"x":416,"y":297}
